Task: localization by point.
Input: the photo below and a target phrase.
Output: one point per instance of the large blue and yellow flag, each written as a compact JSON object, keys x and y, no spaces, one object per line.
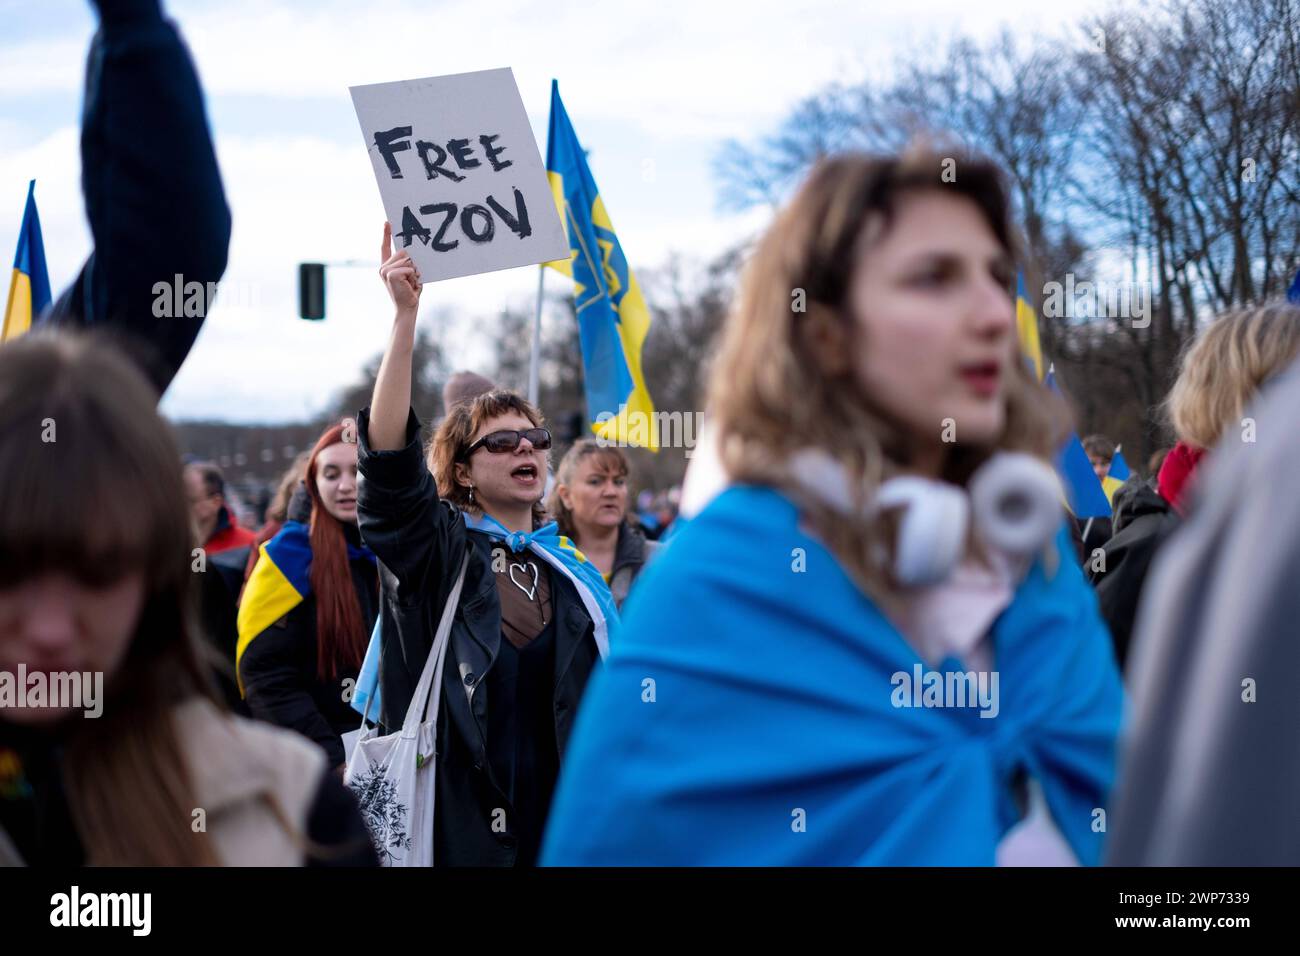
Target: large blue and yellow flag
{"x":29,"y":289}
{"x":612,"y":316}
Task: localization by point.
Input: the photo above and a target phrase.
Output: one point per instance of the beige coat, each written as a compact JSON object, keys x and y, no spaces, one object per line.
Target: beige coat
{"x":242,"y":771}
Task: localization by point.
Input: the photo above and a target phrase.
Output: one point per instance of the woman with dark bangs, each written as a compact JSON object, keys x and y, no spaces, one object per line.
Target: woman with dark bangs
{"x":310,"y":605}
{"x":870,"y":643}
{"x":142,"y":766}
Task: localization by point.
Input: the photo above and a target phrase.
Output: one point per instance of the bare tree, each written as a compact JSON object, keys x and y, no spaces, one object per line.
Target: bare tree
{"x":1164,"y":138}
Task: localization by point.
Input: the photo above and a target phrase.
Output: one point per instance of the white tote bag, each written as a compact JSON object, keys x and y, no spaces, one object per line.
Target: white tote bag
{"x":392,"y":776}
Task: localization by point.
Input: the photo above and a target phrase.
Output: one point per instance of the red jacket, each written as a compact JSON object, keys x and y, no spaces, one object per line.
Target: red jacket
{"x":228,"y":535}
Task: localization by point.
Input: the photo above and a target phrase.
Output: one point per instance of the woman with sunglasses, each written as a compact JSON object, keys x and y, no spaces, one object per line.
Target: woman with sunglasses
{"x":533,"y":616}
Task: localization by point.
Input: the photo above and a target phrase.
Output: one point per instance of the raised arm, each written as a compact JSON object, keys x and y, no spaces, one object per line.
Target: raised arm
{"x":401,"y":518}
{"x":153,"y":192}
{"x":392,"y":397}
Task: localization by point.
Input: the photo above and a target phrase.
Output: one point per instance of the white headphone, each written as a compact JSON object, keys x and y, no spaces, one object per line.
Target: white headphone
{"x":1014,"y":498}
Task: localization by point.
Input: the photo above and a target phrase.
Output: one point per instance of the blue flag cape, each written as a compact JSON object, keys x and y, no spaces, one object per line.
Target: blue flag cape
{"x":747,"y":715}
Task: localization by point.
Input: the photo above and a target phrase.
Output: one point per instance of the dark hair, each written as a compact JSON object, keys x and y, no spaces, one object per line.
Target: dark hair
{"x":214,"y":482}
{"x":1099,"y":446}
{"x":92,"y":488}
{"x":456,"y":433}
{"x":341,"y":636}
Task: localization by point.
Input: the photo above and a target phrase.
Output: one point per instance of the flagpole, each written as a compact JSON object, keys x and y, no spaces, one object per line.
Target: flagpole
{"x":535,"y":360}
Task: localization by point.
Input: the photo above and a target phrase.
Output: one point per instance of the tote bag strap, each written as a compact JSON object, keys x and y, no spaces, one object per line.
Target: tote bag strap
{"x":416,"y":712}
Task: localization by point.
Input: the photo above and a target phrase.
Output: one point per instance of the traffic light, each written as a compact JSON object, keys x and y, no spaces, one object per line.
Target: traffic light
{"x":311,"y":290}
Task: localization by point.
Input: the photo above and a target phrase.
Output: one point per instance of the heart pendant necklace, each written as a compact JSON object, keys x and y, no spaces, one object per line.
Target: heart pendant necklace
{"x":525,"y":568}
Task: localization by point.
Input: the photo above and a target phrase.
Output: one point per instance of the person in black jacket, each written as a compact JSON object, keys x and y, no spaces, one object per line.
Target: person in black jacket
{"x":525,"y":638}
{"x":1142,"y":521}
{"x":153,"y":191}
{"x":297,"y":666}
{"x":1219,"y":376}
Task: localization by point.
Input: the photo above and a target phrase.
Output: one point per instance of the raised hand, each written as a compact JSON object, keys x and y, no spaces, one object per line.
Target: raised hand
{"x":399,"y":274}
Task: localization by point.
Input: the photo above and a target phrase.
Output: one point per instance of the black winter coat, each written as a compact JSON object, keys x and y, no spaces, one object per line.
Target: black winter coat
{"x":1142,"y":521}
{"x":421,"y":541}
{"x":278,"y":669}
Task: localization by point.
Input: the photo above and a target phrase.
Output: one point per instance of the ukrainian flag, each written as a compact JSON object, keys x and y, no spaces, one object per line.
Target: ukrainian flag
{"x":29,"y":289}
{"x":1027,"y":328}
{"x":612,"y":316}
{"x":1119,"y":469}
{"x":1118,"y":474}
{"x":1083,"y":492}
{"x":280,"y":581}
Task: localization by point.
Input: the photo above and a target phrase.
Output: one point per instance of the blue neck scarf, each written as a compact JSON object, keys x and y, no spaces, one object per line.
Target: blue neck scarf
{"x":563,"y":555}
{"x":552,"y":547}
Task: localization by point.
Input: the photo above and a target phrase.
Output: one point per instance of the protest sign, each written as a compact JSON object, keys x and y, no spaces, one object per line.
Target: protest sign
{"x":459,"y":172}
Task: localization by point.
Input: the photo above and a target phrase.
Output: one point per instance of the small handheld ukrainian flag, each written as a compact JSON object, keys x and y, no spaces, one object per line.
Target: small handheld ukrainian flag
{"x":29,"y":289}
{"x":612,"y":316}
{"x":1118,"y":474}
{"x":1027,"y":328}
{"x":1083,"y":491}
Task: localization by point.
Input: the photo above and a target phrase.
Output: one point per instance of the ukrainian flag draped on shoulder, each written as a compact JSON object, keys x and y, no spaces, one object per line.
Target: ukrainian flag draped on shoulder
{"x":612,"y":316}
{"x":29,"y":288}
{"x":281,"y":580}
{"x":773,"y":698}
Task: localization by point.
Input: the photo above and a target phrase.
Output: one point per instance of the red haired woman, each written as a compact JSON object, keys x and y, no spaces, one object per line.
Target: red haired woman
{"x":309,"y":608}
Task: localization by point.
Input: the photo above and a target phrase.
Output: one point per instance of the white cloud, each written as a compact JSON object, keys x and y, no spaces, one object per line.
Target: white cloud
{"x":656,"y":83}
{"x":55,"y":163}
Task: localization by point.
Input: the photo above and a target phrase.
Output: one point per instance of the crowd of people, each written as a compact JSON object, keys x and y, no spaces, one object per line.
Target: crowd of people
{"x":766,"y":678}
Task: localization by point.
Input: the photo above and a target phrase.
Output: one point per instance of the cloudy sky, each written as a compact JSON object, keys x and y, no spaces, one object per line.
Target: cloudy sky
{"x":652,"y":90}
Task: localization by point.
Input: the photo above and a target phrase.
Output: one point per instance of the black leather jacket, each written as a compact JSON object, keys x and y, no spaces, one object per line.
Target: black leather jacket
{"x":420,"y":541}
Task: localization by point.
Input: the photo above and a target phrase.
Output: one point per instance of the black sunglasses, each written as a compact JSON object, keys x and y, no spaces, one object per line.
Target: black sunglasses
{"x":499,"y":443}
